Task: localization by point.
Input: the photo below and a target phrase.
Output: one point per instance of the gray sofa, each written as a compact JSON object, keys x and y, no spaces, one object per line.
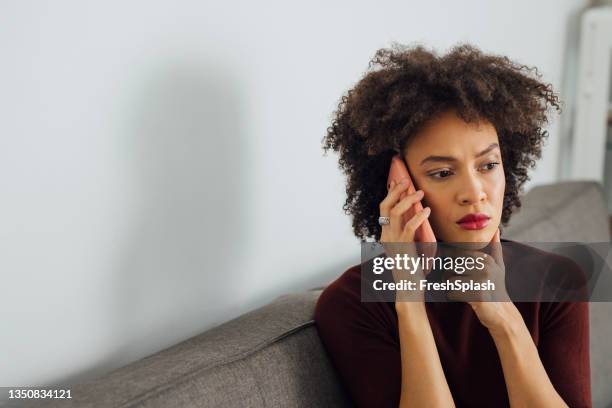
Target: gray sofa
{"x":272,"y":356}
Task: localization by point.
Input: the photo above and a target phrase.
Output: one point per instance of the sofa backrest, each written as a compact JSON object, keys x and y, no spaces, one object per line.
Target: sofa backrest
{"x":573,"y":211}
{"x":273,"y":357}
{"x":270,"y":357}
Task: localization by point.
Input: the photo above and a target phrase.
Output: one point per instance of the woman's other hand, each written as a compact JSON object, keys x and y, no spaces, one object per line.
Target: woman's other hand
{"x":494,"y":308}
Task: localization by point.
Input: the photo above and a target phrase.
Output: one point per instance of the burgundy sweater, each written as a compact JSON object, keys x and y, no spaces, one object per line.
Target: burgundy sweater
{"x":362,"y":341}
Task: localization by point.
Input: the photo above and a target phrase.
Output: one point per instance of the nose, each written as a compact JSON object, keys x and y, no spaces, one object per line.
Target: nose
{"x":471,"y":190}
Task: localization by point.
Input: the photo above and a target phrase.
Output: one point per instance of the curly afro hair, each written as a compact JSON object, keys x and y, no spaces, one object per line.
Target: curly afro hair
{"x":406,"y":86}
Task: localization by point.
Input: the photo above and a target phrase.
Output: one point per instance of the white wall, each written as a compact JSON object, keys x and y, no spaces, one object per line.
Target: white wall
{"x":161,"y":168}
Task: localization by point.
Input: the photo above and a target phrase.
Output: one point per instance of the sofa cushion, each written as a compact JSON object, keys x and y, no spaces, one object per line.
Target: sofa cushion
{"x":269,"y":357}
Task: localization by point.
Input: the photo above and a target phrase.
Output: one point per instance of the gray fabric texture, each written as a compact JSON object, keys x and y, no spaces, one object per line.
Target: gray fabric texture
{"x":272,"y":356}
{"x":573,"y":212}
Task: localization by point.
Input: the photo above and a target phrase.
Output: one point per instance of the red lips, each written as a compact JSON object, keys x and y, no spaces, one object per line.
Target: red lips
{"x":474,"y":221}
{"x":474,"y":217}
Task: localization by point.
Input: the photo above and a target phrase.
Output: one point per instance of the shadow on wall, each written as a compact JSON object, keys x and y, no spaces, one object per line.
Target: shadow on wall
{"x":187,"y":165}
{"x":188,"y":154}
{"x":185,"y":148}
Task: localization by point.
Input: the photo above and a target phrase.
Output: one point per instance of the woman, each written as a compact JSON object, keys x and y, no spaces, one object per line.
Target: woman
{"x":468,"y":126}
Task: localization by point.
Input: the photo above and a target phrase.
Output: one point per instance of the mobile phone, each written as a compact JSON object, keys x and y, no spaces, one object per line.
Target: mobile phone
{"x":397,"y":172}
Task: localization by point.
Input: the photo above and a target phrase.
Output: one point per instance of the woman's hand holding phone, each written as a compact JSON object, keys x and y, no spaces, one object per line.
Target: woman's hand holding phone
{"x":398,"y":172}
{"x":394,"y":208}
{"x":400,"y":239}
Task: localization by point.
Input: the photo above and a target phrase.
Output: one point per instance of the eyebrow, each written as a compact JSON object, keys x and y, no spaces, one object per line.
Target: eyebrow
{"x":452,"y":159}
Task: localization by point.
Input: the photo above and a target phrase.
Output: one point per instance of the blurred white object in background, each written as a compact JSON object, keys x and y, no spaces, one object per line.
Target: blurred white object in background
{"x":589,"y":137}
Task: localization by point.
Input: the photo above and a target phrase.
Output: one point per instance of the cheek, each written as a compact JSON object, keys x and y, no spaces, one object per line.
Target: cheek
{"x":438,"y":201}
{"x":497,"y":191}
{"x":440,"y":217}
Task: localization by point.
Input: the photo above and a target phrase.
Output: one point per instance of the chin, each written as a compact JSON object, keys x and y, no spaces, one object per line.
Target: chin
{"x":476,"y":238}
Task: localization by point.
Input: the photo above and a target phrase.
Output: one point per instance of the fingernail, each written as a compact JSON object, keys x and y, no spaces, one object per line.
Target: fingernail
{"x":427,"y":210}
{"x":420,"y":192}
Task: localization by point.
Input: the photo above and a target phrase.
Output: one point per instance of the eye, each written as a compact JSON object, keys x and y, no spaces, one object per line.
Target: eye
{"x":490,"y":166}
{"x":440,"y":174}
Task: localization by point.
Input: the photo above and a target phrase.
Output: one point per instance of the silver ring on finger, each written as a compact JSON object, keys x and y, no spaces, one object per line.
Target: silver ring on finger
{"x":384,"y":220}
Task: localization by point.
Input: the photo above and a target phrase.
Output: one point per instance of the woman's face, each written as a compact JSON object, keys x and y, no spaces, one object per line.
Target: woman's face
{"x":458,"y":166}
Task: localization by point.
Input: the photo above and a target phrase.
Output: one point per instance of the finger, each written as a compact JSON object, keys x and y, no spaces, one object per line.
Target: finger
{"x":458,"y":252}
{"x":393,"y":196}
{"x":465,"y":296}
{"x":389,"y":187}
{"x":474,"y":265}
{"x":496,"y":249}
{"x":496,"y":236}
{"x":414,"y":223}
{"x":451,"y":274}
{"x":406,"y":202}
{"x":397,"y":212}
{"x":398,"y":181}
{"x":469,"y":296}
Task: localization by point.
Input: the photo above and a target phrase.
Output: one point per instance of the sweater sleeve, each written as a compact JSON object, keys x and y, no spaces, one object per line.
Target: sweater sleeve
{"x":361,"y":346}
{"x":564,"y":350}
